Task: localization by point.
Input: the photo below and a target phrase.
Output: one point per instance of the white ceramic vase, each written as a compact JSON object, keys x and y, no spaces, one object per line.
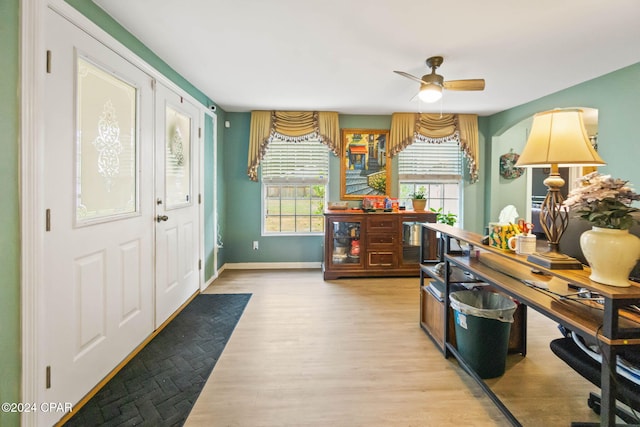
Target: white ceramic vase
{"x":611,"y":254}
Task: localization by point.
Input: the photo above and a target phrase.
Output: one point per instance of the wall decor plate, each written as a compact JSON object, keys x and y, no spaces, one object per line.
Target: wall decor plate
{"x":508,"y":169}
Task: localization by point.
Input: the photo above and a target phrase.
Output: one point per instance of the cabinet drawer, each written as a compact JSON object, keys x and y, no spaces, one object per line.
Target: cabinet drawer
{"x":425,"y":217}
{"x":385,"y":223}
{"x":386,"y":239}
{"x":381,"y":259}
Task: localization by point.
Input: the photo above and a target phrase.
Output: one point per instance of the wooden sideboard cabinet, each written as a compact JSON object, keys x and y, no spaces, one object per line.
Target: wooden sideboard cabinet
{"x":359,"y":244}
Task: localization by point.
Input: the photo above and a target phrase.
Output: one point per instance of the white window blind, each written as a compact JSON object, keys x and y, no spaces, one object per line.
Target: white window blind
{"x":302,"y":161}
{"x":437,"y":161}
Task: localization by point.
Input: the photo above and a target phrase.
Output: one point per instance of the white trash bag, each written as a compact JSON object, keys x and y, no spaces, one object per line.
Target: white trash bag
{"x":489,"y":305}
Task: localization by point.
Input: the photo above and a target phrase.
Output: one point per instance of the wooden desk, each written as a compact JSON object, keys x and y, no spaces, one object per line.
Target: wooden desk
{"x":613,"y":326}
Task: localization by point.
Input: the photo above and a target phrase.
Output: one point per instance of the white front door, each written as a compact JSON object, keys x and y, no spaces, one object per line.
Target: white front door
{"x":178,"y":133}
{"x":99,"y":196}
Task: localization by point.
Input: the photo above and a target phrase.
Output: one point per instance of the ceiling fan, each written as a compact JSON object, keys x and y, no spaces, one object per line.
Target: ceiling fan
{"x":431,"y":85}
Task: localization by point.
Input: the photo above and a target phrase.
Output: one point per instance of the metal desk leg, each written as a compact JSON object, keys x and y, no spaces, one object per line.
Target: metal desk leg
{"x":608,"y":367}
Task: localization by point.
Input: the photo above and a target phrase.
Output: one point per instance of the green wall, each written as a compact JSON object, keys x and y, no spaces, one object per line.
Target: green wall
{"x":9,"y":210}
{"x":509,"y":191}
{"x":616,"y":96}
{"x":243,"y":211}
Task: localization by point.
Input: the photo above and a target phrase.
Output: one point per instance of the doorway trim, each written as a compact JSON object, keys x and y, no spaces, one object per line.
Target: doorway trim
{"x":214,"y":196}
{"x":31,"y":199}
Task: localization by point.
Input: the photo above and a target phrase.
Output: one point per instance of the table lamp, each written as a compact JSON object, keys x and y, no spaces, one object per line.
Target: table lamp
{"x":558,"y":137}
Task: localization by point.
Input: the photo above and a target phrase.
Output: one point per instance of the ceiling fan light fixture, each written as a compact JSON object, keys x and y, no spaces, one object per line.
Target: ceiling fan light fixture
{"x":432,"y":84}
{"x":430,"y":92}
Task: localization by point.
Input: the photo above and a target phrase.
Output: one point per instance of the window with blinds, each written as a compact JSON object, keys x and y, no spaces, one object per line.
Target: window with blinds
{"x":303,"y":161}
{"x":434,"y":169}
{"x":422,"y":160}
{"x":294,"y":180}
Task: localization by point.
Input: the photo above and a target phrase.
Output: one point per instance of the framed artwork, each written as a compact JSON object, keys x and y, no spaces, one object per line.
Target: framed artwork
{"x":365,"y":169}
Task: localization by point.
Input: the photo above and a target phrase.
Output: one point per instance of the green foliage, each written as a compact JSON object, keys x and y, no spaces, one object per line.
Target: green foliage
{"x":603,"y":201}
{"x":609,"y":213}
{"x":445,"y":218}
{"x":318,"y":191}
{"x":418,"y":194}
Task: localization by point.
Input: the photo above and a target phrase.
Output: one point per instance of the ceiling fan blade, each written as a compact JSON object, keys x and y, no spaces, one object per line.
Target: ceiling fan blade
{"x":409,"y":76}
{"x":471,"y":84}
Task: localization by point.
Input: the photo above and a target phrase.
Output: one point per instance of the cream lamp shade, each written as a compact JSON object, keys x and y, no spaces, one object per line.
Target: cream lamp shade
{"x":559,"y":137}
{"x":430,"y":92}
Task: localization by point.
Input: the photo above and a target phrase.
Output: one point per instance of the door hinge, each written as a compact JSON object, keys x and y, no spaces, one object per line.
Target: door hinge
{"x":199,"y":132}
{"x":48,"y":220}
{"x":48,"y":62}
{"x":48,"y":377}
{"x":199,"y":199}
{"x":199,"y":264}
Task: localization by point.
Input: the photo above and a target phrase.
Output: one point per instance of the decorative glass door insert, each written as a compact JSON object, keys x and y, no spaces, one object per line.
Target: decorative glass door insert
{"x":106,"y":145}
{"x":177,"y":159}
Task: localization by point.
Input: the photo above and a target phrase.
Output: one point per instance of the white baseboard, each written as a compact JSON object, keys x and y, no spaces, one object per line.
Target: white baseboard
{"x":270,"y":265}
{"x":210,"y":281}
{"x":262,"y":266}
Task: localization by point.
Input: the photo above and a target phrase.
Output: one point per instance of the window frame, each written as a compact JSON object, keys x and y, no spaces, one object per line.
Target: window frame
{"x":297,"y":182}
{"x":442,"y":200}
{"x":427,"y":180}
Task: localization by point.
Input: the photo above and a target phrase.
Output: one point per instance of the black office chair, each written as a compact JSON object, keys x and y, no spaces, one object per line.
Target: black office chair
{"x":567,"y":350}
{"x":628,"y":392}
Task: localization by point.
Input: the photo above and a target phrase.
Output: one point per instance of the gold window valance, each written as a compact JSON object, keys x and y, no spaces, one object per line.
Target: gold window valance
{"x":290,"y":126}
{"x":435,"y":128}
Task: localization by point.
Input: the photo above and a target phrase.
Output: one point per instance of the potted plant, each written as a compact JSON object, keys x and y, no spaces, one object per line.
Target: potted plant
{"x":418,"y":200}
{"x":610,"y":250}
{"x":445,"y":218}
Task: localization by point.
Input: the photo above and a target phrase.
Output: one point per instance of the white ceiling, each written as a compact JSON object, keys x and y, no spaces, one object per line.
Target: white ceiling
{"x":339,"y":55}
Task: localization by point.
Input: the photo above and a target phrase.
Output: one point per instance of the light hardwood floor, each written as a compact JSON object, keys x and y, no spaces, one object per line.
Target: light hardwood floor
{"x":349,"y":352}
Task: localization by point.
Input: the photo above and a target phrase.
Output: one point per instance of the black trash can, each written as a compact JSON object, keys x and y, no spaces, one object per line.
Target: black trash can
{"x":483,"y":323}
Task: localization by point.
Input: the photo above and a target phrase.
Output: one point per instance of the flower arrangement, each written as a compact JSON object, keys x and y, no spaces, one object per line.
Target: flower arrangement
{"x":603,"y":201}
